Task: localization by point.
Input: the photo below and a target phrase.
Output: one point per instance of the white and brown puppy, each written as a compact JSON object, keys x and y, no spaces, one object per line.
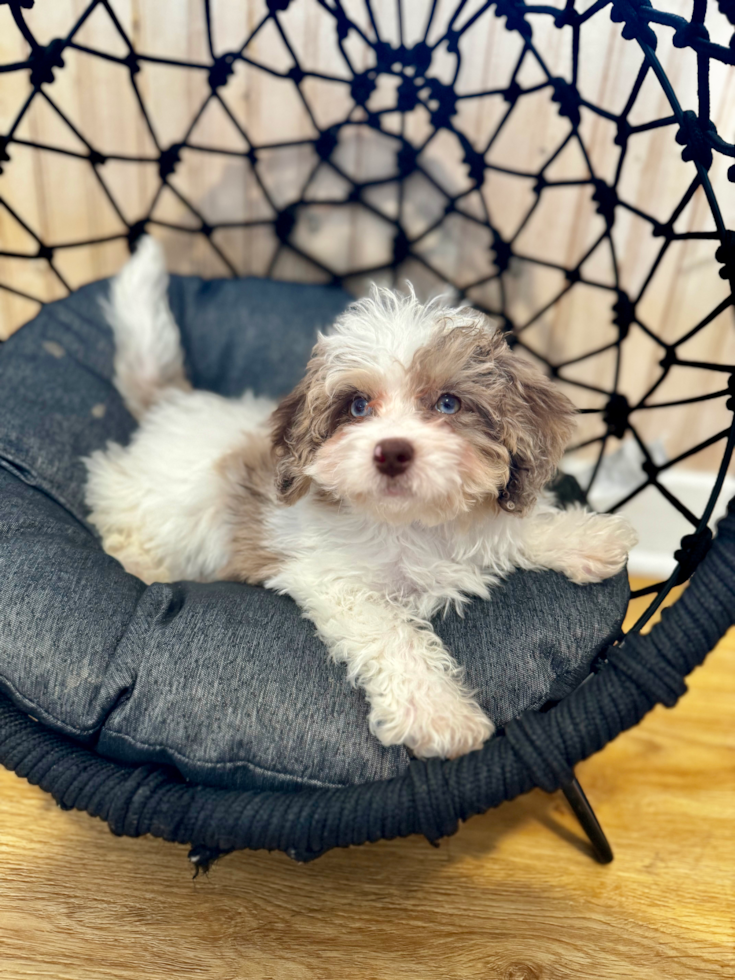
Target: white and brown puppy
{"x":402,"y":476}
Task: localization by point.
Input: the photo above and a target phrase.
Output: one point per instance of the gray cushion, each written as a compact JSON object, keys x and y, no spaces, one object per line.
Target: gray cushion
{"x":223,"y":681}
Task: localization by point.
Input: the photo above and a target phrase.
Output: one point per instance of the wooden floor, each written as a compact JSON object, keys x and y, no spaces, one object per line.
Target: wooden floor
{"x":514,"y":895}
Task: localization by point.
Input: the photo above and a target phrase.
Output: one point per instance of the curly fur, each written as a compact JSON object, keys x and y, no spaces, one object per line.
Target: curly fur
{"x":291,"y":496}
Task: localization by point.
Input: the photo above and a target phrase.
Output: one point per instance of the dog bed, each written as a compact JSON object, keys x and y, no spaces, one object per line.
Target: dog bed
{"x":119,"y":698}
{"x":225,"y":682}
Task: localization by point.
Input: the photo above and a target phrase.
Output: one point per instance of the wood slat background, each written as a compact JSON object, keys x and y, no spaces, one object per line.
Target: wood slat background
{"x":60,"y":198}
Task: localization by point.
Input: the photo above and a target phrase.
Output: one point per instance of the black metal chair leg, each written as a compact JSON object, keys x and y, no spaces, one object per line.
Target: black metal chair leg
{"x":589,"y":822}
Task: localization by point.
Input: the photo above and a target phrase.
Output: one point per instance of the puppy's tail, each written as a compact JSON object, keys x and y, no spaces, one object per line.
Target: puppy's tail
{"x":148,"y":355}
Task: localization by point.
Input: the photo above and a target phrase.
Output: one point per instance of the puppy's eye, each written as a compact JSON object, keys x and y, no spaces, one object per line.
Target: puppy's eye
{"x":359,"y":407}
{"x":448,"y":404}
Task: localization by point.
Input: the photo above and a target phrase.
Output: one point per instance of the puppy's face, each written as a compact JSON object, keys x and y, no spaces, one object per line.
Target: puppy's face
{"x":418,"y":413}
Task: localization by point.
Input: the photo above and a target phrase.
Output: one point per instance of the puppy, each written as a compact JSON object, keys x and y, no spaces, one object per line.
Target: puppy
{"x":403,"y":476}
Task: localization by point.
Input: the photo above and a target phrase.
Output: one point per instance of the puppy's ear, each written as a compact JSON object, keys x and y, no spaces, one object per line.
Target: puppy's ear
{"x":291,"y":444}
{"x":299,"y":426}
{"x":539,"y":421}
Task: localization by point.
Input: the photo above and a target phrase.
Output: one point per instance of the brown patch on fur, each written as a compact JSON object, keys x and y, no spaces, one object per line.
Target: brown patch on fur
{"x":307,"y":418}
{"x":510,"y":410}
{"x":250,"y":480}
{"x":326,"y":497}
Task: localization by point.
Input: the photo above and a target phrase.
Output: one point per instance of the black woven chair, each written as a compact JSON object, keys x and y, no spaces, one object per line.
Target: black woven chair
{"x":539,"y":749}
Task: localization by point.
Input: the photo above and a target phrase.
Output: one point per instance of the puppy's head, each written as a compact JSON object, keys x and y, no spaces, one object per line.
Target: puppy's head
{"x":419,"y":413}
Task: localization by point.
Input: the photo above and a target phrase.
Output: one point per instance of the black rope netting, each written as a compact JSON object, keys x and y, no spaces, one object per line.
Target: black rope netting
{"x":410,"y":68}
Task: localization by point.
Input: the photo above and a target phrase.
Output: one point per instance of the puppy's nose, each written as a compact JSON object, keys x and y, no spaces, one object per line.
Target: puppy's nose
{"x":393,"y":456}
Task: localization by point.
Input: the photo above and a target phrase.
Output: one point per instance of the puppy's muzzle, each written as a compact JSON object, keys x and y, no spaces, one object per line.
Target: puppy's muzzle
{"x":393,"y":456}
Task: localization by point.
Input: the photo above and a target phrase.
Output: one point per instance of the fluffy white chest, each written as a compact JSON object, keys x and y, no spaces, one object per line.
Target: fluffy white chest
{"x":429,"y":567}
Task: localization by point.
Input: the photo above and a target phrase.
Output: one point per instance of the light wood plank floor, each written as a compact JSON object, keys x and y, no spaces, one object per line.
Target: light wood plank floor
{"x":513,"y":895}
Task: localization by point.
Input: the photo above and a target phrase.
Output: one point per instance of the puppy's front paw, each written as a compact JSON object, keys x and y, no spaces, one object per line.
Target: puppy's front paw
{"x":603,"y":550}
{"x":433,"y":723}
{"x":448,"y":734}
